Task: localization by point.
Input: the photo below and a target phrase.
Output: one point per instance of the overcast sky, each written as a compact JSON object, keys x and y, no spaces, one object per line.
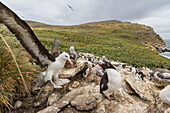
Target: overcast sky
{"x":155,"y":13}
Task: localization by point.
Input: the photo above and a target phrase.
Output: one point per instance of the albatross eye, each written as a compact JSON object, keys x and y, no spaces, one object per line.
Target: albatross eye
{"x":65,"y":55}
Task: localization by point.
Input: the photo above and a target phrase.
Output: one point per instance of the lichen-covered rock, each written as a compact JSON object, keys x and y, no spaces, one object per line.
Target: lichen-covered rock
{"x":75,"y":84}
{"x":84,"y":102}
{"x":168,"y":110}
{"x":66,"y":99}
{"x":135,"y":96}
{"x":160,"y":82}
{"x":140,"y":87}
{"x":71,"y":72}
{"x":126,"y":87}
{"x":93,"y":78}
{"x":54,"y":97}
{"x":50,"y":109}
{"x":121,"y":103}
{"x":45,"y":91}
{"x":42,"y":96}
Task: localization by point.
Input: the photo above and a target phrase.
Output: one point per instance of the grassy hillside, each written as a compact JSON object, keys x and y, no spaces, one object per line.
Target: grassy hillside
{"x":131,"y":43}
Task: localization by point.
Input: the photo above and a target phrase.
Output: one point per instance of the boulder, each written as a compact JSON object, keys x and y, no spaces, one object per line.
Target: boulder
{"x":42,"y":96}
{"x":160,"y":82}
{"x":47,"y":90}
{"x":121,"y":103}
{"x":126,"y":87}
{"x":89,"y":99}
{"x":54,"y":97}
{"x":75,"y":84}
{"x":168,"y":110}
{"x":84,"y":102}
{"x":140,"y":87}
{"x":66,"y":99}
{"x":162,"y":49}
{"x":71,"y":72}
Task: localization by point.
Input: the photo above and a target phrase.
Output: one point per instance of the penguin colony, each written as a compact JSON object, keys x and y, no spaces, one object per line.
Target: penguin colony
{"x":111,"y":72}
{"x":110,"y":78}
{"x":111,"y":75}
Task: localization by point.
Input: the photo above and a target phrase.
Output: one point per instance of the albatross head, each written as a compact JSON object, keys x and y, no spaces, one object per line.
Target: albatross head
{"x":65,"y":56}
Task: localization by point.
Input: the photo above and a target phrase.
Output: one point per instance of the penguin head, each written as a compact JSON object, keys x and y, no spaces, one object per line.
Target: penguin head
{"x":100,"y":62}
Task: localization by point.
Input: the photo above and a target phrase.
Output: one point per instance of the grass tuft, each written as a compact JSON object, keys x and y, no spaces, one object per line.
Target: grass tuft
{"x":12,"y":86}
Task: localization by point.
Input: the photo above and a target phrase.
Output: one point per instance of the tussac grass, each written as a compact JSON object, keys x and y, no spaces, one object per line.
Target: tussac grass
{"x":103,"y":38}
{"x":11,"y":84}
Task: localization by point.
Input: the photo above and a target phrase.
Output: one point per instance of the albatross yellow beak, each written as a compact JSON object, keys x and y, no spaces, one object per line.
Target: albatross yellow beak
{"x":70,"y":61}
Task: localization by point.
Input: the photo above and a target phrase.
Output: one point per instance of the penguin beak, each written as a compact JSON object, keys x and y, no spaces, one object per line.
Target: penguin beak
{"x":70,"y":61}
{"x":100,"y":64}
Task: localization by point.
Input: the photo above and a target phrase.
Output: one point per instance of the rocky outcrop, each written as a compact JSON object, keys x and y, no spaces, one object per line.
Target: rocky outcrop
{"x":162,"y":49}
{"x":84,"y":102}
{"x":140,"y":87}
{"x":82,"y":95}
{"x":89,"y":99}
{"x":135,"y":95}
{"x":152,"y":39}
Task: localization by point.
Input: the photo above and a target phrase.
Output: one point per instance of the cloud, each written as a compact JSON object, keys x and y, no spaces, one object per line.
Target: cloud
{"x":159,"y":20}
{"x":155,"y":13}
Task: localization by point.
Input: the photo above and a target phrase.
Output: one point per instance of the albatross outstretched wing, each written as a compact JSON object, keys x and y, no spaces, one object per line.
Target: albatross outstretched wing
{"x":26,"y":36}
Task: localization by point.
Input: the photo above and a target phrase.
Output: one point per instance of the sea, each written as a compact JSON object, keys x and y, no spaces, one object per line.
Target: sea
{"x":167,"y":54}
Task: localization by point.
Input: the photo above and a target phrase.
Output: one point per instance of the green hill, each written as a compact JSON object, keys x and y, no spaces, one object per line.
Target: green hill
{"x":127,"y":42}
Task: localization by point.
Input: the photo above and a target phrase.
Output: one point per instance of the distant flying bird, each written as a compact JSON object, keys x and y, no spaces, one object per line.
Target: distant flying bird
{"x":70,"y":7}
{"x":31,"y":43}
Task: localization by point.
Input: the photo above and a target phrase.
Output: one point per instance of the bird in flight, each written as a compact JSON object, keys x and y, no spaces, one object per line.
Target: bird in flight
{"x":70,"y":7}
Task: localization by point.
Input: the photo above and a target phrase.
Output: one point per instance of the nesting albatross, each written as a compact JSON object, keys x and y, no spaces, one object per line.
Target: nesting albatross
{"x":73,"y":54}
{"x":31,"y":43}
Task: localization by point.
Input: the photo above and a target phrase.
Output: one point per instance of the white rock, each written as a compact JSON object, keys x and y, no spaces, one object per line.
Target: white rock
{"x":53,"y":98}
{"x":164,"y":94}
{"x":17,"y":104}
{"x":75,"y":84}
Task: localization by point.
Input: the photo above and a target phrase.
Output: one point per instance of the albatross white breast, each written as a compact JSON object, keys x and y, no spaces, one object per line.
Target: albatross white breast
{"x":55,"y":67}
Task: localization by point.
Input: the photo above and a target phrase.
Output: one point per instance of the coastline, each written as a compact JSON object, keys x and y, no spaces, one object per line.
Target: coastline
{"x":165,"y":55}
